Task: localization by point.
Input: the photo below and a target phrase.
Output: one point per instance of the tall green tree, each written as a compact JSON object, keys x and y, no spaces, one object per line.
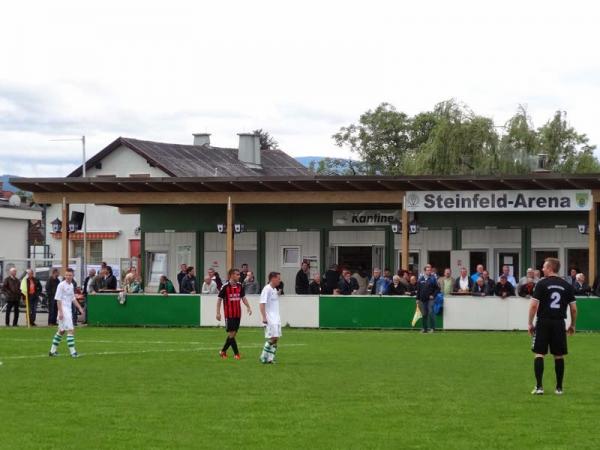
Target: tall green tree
{"x":267,"y":142}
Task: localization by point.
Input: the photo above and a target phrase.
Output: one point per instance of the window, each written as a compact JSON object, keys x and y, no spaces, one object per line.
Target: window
{"x":539,"y":256}
{"x":440,"y":260}
{"x":475,"y":258}
{"x":577,"y":258}
{"x":157,"y":266}
{"x":290,"y":256}
{"x":93,"y":254}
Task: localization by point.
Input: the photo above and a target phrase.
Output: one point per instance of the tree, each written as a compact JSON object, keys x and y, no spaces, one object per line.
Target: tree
{"x":267,"y":142}
{"x":337,"y":166}
{"x":381,"y":139}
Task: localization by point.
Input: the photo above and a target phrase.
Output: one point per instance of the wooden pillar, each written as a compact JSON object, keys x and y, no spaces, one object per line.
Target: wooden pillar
{"x":592,"y":229}
{"x":65,"y":236}
{"x":230,"y":235}
{"x":405,"y":251}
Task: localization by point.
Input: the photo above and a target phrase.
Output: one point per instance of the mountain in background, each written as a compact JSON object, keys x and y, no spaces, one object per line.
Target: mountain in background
{"x":6,"y":186}
{"x":306,"y":160}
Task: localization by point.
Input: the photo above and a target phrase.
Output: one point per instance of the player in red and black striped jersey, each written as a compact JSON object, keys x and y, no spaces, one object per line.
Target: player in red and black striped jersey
{"x":231,"y":295}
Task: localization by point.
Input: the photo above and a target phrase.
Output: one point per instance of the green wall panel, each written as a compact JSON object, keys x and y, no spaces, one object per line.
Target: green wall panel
{"x":588,"y":314}
{"x":144,"y":310}
{"x":368,"y":312}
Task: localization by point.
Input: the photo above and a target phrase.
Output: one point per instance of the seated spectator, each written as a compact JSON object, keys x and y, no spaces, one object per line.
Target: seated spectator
{"x":396,"y":288}
{"x":481,"y":288}
{"x":463,"y":284}
{"x":581,"y":287}
{"x":347,"y":284}
{"x":504,"y":288}
{"x":250,"y":284}
{"x":510,"y":278}
{"x":132,"y":283}
{"x":165,"y":286}
{"x":315,"y":287}
{"x":209,"y":286}
{"x":412,"y":286}
{"x":530,"y":276}
{"x":446,"y":283}
{"x":478,"y":273}
{"x":526,"y":289}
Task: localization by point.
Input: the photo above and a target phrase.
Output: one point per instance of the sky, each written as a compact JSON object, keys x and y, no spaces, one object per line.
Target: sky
{"x":161,"y":70}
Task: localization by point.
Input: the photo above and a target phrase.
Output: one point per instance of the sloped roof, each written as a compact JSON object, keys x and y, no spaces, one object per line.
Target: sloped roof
{"x":201,"y":160}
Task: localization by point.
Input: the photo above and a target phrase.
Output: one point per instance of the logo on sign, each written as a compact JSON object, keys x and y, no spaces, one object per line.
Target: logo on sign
{"x":413,"y":200}
{"x":581,"y":199}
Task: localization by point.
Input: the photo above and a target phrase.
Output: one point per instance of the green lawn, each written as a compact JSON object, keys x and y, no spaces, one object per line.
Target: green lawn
{"x":157,"y":388}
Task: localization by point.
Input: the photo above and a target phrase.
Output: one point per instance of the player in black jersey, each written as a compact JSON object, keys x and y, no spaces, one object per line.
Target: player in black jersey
{"x":551,"y":297}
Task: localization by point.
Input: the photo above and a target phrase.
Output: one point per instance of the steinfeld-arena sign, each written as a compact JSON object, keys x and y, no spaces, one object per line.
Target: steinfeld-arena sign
{"x":439,"y":201}
{"x":365,"y":217}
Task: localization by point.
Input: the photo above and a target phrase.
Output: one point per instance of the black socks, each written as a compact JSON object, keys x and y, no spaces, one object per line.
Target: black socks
{"x":230,"y":341}
{"x":559,"y":368}
{"x":538,"y":367}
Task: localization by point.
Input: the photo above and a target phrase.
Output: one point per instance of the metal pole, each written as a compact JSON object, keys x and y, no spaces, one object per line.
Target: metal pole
{"x":83,"y":257}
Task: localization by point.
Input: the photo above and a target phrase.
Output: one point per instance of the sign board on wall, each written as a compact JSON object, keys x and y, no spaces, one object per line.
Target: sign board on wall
{"x":365,"y":217}
{"x":444,"y":201}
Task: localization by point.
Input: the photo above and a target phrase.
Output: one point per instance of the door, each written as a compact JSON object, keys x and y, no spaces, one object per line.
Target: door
{"x":331,"y":258}
{"x":440,"y":260}
{"x":577,"y":258}
{"x":510,"y":259}
{"x":477,"y":257}
{"x":539,"y":256}
{"x":355,"y":258}
{"x":135,"y":248}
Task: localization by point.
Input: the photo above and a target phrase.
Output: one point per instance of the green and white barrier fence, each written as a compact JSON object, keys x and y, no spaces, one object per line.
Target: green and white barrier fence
{"x":307,"y":311}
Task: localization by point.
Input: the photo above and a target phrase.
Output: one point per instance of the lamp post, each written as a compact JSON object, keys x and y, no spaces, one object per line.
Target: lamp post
{"x":83,"y":254}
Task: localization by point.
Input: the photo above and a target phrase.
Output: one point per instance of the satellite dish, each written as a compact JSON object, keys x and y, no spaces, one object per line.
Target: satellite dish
{"x":14,"y":200}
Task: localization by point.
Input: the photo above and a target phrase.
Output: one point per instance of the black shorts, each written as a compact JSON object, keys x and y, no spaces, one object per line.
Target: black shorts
{"x":232,"y":324}
{"x":550,"y":333}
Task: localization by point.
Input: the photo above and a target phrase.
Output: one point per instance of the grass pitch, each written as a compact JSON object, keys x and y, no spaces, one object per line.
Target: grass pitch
{"x":159,"y":388}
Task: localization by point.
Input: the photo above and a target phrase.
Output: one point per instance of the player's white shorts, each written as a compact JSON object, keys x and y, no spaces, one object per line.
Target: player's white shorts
{"x":67,"y":323}
{"x":272,"y":330}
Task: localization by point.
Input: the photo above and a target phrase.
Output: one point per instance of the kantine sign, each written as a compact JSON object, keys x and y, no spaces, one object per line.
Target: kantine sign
{"x":365,"y":217}
{"x":441,"y":201}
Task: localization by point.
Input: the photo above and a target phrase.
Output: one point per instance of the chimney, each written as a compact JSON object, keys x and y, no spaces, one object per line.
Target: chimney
{"x":201,"y":138}
{"x":249,"y":149}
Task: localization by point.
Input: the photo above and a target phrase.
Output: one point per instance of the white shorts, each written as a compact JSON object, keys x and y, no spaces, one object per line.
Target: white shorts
{"x":67,"y":323}
{"x":272,"y":330}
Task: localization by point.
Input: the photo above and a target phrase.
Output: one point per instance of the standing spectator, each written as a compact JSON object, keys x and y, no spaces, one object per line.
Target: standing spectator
{"x":250,"y":284}
{"x":537,"y":275}
{"x":51,"y":286}
{"x":478,"y":273}
{"x":213,"y":274}
{"x":464,"y":283}
{"x":426,"y":291}
{"x":489,"y":282}
{"x":244,"y":273}
{"x":34,"y":289}
{"x":302,"y":282}
{"x":504,"y":288}
{"x":332,"y":278}
{"x":412,"y":285}
{"x":315,"y":287}
{"x":510,"y":278}
{"x":110,"y":281}
{"x":372,"y":286}
{"x":347,"y":285}
{"x":189,"y":285}
{"x":11,"y":288}
{"x":181,"y":275}
{"x":396,"y":288}
{"x":209,"y":286}
{"x":98,"y":282}
{"x":572,"y":277}
{"x":581,"y":287}
{"x":524,"y":280}
{"x":446,"y":283}
{"x":88,"y":280}
{"x":526,"y":289}
{"x":480,"y":288}
{"x":362,"y":279}
{"x":165,"y":286}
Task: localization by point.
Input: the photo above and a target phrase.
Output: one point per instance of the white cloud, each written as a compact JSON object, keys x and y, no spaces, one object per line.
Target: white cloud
{"x":162,"y":71}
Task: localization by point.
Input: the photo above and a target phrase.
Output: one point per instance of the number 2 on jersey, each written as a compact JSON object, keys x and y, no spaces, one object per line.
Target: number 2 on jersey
{"x":555,"y":296}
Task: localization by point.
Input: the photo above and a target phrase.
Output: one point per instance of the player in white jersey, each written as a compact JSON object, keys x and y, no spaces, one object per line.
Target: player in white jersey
{"x":65,"y":298}
{"x":269,"y":310}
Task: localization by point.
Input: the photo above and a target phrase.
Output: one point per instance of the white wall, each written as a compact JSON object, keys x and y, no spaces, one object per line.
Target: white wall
{"x":309,"y":242}
{"x":123,"y":162}
{"x":493,"y":241}
{"x":423,"y":242}
{"x":296,"y":310}
{"x":215,"y":256}
{"x":13,"y":238}
{"x":99,"y":218}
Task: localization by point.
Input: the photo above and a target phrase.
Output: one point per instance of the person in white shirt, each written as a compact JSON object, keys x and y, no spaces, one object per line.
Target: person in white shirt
{"x":464,"y":283}
{"x":65,"y":298}
{"x":269,"y":311}
{"x":209,"y":286}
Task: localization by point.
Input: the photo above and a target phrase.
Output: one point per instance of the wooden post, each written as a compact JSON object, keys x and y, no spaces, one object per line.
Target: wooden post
{"x":592,"y":229}
{"x":404,"y":245}
{"x":65,"y":236}
{"x":230,"y":238}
